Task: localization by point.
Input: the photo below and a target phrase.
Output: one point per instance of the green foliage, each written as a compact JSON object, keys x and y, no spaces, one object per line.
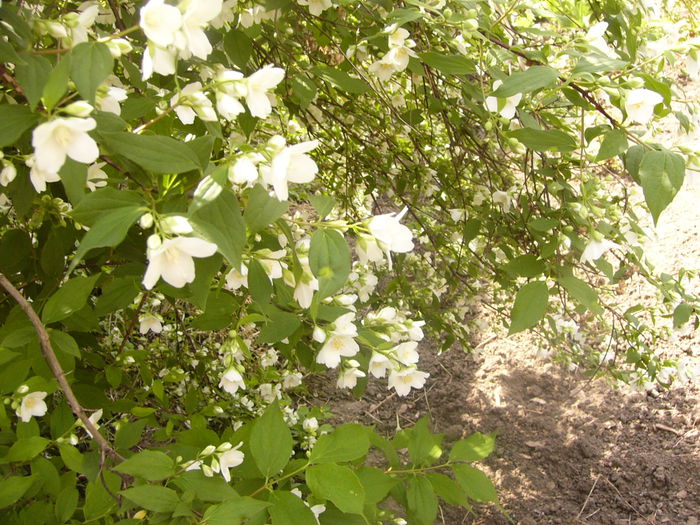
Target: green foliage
{"x":196,"y":253}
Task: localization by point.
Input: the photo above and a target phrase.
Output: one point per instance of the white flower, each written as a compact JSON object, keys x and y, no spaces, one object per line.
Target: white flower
{"x":230,"y":459}
{"x":8,"y":173}
{"x":403,"y":380}
{"x":231,"y":381}
{"x":110,"y":99}
{"x":335,"y":347}
{"x":379,"y":364}
{"x":640,"y":103}
{"x":398,"y":37}
{"x":507,"y":105}
{"x":244,"y":170}
{"x":399,"y":57}
{"x":349,"y":376}
{"x":158,"y":59}
{"x":270,"y":358}
{"x":406,"y":352}
{"x":94,"y":418}
{"x":291,"y":379}
{"x":237,"y":278}
{"x":292,"y":164}
{"x":269,"y":393}
{"x":96,"y":177}
{"x":304,"y":290}
{"x":383,"y":69}
{"x":57,"y":138}
{"x":595,"y":249}
{"x":40,"y":177}
{"x":502,"y":199}
{"x":160,"y":22}
{"x":391,"y":235}
{"x":226,"y":16}
{"x":150,"y":322}
{"x":310,"y":424}
{"x":316,"y":7}
{"x":172,"y":260}
{"x":259,"y":83}
{"x":32,"y":405}
{"x":270,"y":261}
{"x":196,"y":17}
{"x":175,"y":225}
{"x":229,"y":87}
{"x":595,"y":39}
{"x":190,"y":102}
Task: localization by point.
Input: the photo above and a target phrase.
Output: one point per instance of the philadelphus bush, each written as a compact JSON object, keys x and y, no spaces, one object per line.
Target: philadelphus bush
{"x":205,"y":203}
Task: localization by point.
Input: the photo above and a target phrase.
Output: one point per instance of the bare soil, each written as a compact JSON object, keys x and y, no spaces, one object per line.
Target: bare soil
{"x":569,"y":450}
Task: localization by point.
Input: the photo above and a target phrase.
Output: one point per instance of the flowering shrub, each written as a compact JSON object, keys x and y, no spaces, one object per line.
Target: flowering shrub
{"x":205,"y":202}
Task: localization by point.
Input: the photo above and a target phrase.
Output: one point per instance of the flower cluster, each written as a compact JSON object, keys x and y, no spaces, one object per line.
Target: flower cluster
{"x":396,"y":59}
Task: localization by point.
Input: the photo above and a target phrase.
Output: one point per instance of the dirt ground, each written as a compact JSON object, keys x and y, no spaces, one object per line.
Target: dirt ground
{"x":569,"y":450}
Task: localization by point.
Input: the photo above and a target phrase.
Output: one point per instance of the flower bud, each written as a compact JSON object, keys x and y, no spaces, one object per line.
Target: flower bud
{"x":154,"y":242}
{"x":224,"y":447}
{"x":209,"y":450}
{"x":207,"y":471}
{"x":23,"y":389}
{"x":319,"y":335}
{"x":140,"y":515}
{"x":78,"y":109}
{"x":146,"y":221}
{"x":176,"y":224}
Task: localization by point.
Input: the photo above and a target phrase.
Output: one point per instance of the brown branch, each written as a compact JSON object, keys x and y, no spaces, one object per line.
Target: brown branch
{"x":55,"y":366}
{"x":117,"y":15}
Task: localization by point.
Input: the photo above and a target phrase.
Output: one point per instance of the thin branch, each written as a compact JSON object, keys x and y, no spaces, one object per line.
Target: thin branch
{"x":117,"y":15}
{"x":55,"y":366}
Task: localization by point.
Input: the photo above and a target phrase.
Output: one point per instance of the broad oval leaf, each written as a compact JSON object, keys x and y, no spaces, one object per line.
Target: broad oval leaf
{"x":151,"y":465}
{"x":69,"y":298}
{"x":154,"y":153}
{"x":91,"y":65}
{"x":152,"y":497}
{"x":346,"y":443}
{"x":661,"y":175}
{"x":338,"y":484}
{"x":271,"y":441}
{"x":534,"y":78}
{"x":329,"y":259}
{"x":529,"y":307}
{"x":15,"y":119}
{"x":545,"y":140}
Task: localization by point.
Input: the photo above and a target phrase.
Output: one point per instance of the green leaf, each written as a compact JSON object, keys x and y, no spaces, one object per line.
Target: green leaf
{"x":448,"y":489}
{"x":527,"y":265}
{"x":338,"y":484}
{"x":422,"y":502}
{"x":103,"y":201}
{"x":475,"y":483}
{"x":303,"y":90}
{"x":74,"y":179}
{"x":423,"y":445}
{"x":529,"y":307}
{"x":14,"y":120}
{"x":129,"y":434}
{"x":661,"y":175}
{"x":92,"y":63}
{"x":8,"y":53}
{"x":281,"y":325}
{"x":57,"y":83}
{"x":262,"y":209}
{"x":329,"y":259}
{"x":377,"y":484}
{"x":71,"y":457}
{"x":545,"y":140}
{"x":614,"y":143}
{"x":341,"y":80}
{"x":681,"y":314}
{"x":597,"y":64}
{"x":66,"y":503}
{"x":63,"y":342}
{"x":69,"y":298}
{"x":448,"y":64}
{"x":238,"y":47}
{"x":536,"y":77}
{"x":208,"y":489}
{"x":234,"y":512}
{"x":116,"y":295}
{"x":271,"y":441}
{"x":152,"y":497}
{"x":109,"y":230}
{"x":154,"y":153}
{"x":220,"y":222}
{"x":473,"y":448}
{"x":633,"y":159}
{"x":13,"y":488}
{"x":259,"y":284}
{"x":32,"y":76}
{"x":218,"y":313}
{"x":25,"y":449}
{"x":97,"y":501}
{"x":288,"y":509}
{"x":323,"y":204}
{"x":346,"y":443}
{"x":582,"y":293}
{"x":151,"y":465}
